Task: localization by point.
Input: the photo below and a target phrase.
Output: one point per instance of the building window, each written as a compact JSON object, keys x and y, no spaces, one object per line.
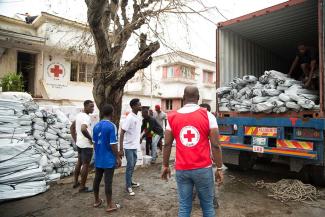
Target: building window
{"x":207,"y":77}
{"x":81,"y":72}
{"x":187,"y":72}
{"x":169,"y":104}
{"x":170,"y":72}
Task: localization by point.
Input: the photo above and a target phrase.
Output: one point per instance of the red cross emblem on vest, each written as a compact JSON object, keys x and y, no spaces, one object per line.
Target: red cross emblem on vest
{"x":189,"y":136}
{"x":56,"y":70}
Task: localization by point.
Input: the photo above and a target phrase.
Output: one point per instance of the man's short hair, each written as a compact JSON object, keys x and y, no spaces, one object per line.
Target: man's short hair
{"x":87,"y":102}
{"x":206,"y":105}
{"x":107,"y":110}
{"x":134,"y":102}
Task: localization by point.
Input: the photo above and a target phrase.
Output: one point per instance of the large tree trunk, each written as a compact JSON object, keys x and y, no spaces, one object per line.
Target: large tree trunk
{"x":110,"y":75}
{"x":105,"y":94}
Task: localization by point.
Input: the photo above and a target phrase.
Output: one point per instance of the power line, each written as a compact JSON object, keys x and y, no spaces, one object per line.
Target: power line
{"x":8,"y":2}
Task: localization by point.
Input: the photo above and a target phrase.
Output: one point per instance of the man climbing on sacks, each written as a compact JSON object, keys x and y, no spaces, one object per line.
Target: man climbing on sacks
{"x":80,"y":130}
{"x":193,"y":127}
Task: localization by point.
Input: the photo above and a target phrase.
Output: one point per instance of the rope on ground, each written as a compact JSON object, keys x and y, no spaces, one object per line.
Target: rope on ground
{"x":290,"y":190}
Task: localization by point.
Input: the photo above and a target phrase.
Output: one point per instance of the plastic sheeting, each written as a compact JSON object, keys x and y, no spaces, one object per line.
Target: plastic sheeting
{"x":35,"y":147}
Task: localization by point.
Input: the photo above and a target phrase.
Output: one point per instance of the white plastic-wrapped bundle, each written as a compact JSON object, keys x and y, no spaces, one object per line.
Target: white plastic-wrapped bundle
{"x":279,"y":110}
{"x":306,"y":103}
{"x":272,"y":92}
{"x":262,"y":107}
{"x":223,"y":90}
{"x":259,"y":99}
{"x":256,"y":94}
{"x":250,"y":78}
{"x":293,"y":105}
{"x":33,"y":143}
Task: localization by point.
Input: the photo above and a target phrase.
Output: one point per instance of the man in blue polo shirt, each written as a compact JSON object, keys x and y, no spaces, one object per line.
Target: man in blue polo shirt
{"x":106,"y":156}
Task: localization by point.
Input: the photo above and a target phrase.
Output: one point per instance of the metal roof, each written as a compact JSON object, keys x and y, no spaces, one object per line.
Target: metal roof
{"x":282,"y":29}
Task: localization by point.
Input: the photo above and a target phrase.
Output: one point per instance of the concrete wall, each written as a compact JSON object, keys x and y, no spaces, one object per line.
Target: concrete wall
{"x":8,"y":62}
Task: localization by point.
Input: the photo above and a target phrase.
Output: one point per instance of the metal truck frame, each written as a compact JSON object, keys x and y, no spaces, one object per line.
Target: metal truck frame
{"x":294,"y":138}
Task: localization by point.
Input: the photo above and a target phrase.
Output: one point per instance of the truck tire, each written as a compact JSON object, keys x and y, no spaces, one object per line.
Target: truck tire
{"x":318,"y":175}
{"x":246,"y":160}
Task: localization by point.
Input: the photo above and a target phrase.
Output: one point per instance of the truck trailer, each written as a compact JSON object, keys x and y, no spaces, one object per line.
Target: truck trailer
{"x":267,"y":40}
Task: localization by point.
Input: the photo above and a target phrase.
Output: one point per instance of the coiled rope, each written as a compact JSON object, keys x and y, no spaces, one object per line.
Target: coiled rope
{"x":290,"y":190}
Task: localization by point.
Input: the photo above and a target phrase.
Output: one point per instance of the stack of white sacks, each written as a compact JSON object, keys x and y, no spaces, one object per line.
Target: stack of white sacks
{"x":272,"y":92}
{"x":35,"y":147}
{"x":53,"y":141}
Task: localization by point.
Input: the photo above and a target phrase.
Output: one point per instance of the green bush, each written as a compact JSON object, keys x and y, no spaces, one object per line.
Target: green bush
{"x":12,"y":82}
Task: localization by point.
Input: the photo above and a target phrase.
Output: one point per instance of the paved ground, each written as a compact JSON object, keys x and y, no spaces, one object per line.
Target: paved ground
{"x":237,"y":197}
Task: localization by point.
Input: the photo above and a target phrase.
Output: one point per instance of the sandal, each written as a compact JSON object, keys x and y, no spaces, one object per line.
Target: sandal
{"x":85,"y":190}
{"x":97,"y":205}
{"x":117,"y":206}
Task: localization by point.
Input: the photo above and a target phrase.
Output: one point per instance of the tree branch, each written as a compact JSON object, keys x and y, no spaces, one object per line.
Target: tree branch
{"x":97,"y":14}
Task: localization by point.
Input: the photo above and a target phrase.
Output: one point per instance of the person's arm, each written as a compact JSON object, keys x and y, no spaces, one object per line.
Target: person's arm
{"x":143,"y":130}
{"x":113,"y":144}
{"x":73,"y":131}
{"x":169,"y":138}
{"x":312,"y":69}
{"x":216,"y":154}
{"x":293,"y":65}
{"x":85,"y":132}
{"x":116,"y":153}
{"x":165,"y":121}
{"x":121,"y":153}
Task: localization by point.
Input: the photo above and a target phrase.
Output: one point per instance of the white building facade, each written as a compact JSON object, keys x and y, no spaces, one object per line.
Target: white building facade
{"x":163,"y":82}
{"x":55,"y":68}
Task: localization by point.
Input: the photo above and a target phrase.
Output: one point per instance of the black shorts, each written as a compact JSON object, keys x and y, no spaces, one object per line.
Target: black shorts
{"x":85,"y":154}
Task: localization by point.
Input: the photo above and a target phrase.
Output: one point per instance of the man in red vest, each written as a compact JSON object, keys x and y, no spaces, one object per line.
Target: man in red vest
{"x":193,"y":128}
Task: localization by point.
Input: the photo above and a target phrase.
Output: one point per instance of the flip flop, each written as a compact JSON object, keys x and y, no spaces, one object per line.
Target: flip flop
{"x":85,"y":190}
{"x":76,"y":185}
{"x":117,"y":206}
{"x":99,"y":204}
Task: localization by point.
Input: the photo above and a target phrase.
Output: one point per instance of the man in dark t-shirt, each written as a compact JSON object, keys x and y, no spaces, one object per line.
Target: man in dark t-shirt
{"x":152,"y":127}
{"x":306,"y":57}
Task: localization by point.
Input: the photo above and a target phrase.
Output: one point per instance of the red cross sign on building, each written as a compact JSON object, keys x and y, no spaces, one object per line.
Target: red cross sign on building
{"x":189,"y":136}
{"x":56,"y":71}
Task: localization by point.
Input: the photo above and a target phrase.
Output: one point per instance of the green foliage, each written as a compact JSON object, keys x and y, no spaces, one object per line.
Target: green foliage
{"x":12,"y":82}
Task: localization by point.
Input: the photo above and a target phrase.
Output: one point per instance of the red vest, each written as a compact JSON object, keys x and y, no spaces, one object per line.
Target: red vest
{"x":191,"y":132}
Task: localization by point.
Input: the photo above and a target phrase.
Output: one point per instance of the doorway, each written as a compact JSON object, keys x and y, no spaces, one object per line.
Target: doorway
{"x":26,"y":63}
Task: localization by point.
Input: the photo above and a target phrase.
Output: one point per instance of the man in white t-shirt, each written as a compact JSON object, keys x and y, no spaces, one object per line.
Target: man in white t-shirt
{"x":130,"y":142}
{"x":81,"y":133}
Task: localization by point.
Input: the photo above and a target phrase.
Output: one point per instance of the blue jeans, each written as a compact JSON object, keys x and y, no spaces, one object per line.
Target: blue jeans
{"x":203,"y":181}
{"x":154,"y":144}
{"x":131,"y":159}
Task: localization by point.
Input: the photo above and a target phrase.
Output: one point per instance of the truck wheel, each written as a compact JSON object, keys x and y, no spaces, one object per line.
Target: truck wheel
{"x":318,"y":175}
{"x":246,"y":160}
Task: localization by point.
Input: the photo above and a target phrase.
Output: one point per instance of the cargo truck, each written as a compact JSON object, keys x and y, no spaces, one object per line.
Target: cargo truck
{"x":267,"y":40}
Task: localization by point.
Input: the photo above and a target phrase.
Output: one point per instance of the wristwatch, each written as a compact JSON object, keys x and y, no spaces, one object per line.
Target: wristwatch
{"x":219,"y":169}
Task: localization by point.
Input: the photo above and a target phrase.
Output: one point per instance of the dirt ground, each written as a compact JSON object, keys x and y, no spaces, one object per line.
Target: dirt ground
{"x":237,"y":197}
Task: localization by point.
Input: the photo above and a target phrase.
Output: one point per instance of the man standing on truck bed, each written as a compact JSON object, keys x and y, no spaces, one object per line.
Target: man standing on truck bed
{"x":306,"y":57}
{"x":193,"y":127}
